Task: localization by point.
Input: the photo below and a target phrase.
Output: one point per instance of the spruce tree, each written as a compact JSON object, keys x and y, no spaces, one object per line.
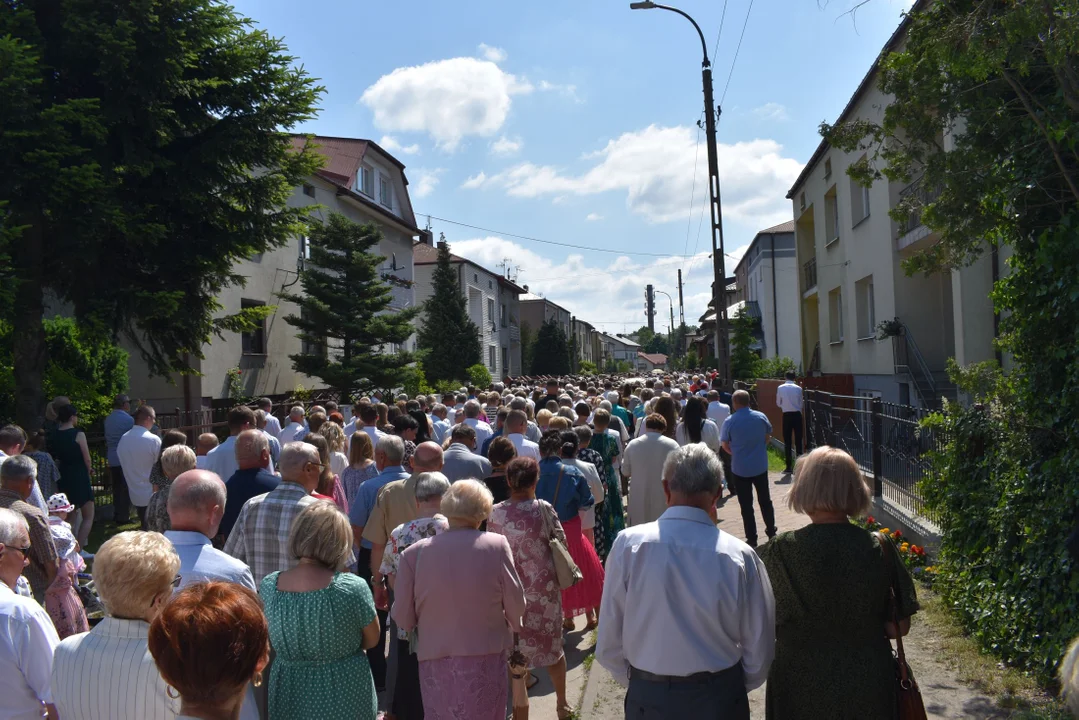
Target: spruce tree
{"x":743,"y":359}
{"x":343,"y":312}
{"x":449,"y":337}
{"x":551,"y":353}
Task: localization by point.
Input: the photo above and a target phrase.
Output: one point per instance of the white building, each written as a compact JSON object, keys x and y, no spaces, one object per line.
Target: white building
{"x":767,"y":286}
{"x":359,"y":180}
{"x":492,"y":302}
{"x":850,"y":254}
{"x":619,"y":349}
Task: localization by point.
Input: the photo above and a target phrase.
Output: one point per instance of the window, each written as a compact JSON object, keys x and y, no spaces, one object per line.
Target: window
{"x":802,"y":201}
{"x":835,"y":315}
{"x":491,"y":310}
{"x":503,"y":315}
{"x":828,"y":168}
{"x":490,"y":284}
{"x":831,"y":217}
{"x":306,"y":346}
{"x":505,"y":360}
{"x":305,"y":248}
{"x":385,"y":191}
{"x":867,"y":317}
{"x":859,"y":200}
{"x":491,"y":361}
{"x":365,"y":181}
{"x":254,"y":342}
{"x":476,"y":278}
{"x":309,"y":190}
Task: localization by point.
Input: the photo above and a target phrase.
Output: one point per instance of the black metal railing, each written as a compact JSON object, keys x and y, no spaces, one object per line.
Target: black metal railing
{"x":809,"y":273}
{"x":919,"y":195}
{"x":886,"y":439}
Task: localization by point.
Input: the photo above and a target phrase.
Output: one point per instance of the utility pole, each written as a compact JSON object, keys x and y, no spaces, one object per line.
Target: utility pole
{"x":719,"y":280}
{"x":650,"y":307}
{"x":681,"y":307}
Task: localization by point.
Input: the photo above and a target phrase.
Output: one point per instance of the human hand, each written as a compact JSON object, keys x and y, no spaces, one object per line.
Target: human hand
{"x":382,"y":598}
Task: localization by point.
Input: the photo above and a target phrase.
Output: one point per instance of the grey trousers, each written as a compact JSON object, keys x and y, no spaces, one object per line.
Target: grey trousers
{"x":721,"y":696}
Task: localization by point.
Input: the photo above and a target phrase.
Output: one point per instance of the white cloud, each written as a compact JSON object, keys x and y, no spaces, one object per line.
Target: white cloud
{"x":390,"y":143}
{"x":506,"y":146}
{"x":424,"y":181}
{"x":567,"y":90}
{"x":654,"y":167}
{"x":494,"y":54}
{"x":474,"y":181}
{"x":772,"y":111}
{"x":448,"y":99}
{"x":591,"y":217}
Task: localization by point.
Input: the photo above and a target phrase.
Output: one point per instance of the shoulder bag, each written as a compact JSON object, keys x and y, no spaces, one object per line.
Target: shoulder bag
{"x":566,"y":571}
{"x":908,"y":696}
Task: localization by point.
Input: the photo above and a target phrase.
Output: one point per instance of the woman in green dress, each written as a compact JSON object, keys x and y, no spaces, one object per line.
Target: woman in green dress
{"x":322,"y":620}
{"x":68,"y":446}
{"x":610,"y":519}
{"x":832,"y":587}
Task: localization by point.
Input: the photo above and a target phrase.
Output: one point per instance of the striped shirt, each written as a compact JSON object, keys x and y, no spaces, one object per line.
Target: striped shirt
{"x":260,"y":536}
{"x":109,"y":674}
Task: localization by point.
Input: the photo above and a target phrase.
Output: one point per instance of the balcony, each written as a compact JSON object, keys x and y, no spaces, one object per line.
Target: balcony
{"x":916,"y":195}
{"x":515,"y":332}
{"x":809,"y":274}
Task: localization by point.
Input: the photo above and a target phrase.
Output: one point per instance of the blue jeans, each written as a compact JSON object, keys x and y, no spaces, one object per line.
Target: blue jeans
{"x":715,"y":696}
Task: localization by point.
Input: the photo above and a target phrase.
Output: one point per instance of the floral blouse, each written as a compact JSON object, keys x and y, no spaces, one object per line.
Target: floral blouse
{"x":402,"y":537}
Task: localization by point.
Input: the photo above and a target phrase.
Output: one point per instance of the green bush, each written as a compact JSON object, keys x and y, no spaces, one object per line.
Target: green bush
{"x":776,"y":367}
{"x":414,"y":381}
{"x":587,"y":367}
{"x":479,"y":376}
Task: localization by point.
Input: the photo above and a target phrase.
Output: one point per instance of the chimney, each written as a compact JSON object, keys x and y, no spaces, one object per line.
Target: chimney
{"x":427,"y":238}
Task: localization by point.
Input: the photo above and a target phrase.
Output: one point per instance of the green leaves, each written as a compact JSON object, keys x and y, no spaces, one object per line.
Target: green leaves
{"x":449,"y":336}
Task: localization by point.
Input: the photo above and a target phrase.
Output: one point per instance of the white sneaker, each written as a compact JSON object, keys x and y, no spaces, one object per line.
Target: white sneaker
{"x":86,"y":555}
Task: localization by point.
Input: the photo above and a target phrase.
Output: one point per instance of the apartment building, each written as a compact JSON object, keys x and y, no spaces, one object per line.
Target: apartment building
{"x":766,"y":282}
{"x":361,"y":181}
{"x":619,"y":349}
{"x":850,"y":279}
{"x":492,"y":300}
{"x":589,"y":348}
{"x":536,"y":310}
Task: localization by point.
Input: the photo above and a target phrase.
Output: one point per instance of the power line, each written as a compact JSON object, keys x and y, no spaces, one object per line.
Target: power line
{"x":739,"y":47}
{"x":549,"y":242}
{"x":720,"y":33}
{"x":692,"y":191}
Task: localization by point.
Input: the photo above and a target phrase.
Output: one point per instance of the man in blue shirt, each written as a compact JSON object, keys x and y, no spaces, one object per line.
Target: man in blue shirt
{"x":745,"y":436}
{"x":252,"y":477}
{"x":118,"y":422}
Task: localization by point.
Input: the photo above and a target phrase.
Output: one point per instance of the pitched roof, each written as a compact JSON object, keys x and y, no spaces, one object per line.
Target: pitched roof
{"x":780,"y":228}
{"x":654,"y":358}
{"x":424,"y":254}
{"x":624,"y":341}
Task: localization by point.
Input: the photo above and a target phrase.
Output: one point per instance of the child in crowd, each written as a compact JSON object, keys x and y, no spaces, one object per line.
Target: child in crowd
{"x":61,"y":600}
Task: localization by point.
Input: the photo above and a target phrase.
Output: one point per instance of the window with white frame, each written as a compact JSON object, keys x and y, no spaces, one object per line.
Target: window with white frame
{"x":864,"y":306}
{"x":385,"y":191}
{"x":491,"y":310}
{"x":503,"y":315}
{"x":831,"y":216}
{"x":365,"y":181}
{"x":859,"y":200}
{"x":492,"y":358}
{"x":835,"y":315}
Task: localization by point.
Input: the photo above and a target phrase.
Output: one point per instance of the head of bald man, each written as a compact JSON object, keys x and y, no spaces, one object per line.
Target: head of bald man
{"x":427,"y":458}
{"x":252,"y":450}
{"x":197,"y":502}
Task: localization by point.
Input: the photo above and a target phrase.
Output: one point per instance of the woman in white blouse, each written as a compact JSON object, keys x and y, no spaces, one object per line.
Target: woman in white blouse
{"x":109,"y":672}
{"x":696,"y":427}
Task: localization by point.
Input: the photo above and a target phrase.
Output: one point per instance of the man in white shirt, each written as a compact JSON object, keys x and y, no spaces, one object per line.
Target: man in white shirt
{"x":789,"y":400}
{"x":474,"y":421}
{"x":699,"y":631}
{"x":295,"y":430}
{"x":515,"y":425}
{"x":273,"y":425}
{"x":643,"y":464}
{"x":28,"y":638}
{"x":717,"y":411}
{"x":138,"y":450}
{"x":222,"y":459}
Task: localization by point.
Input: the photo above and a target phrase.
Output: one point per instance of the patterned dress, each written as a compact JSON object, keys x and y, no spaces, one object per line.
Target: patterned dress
{"x":321,"y":669}
{"x":521,"y":523}
{"x":352,"y":478}
{"x":611,"y":518}
{"x":61,"y":600}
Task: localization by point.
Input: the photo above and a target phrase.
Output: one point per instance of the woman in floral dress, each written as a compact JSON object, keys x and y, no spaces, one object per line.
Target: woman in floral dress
{"x":520,"y":519}
{"x":610,"y":520}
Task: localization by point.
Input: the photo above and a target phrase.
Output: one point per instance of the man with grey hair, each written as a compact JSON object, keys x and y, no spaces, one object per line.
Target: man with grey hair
{"x":700,"y":628}
{"x":473,"y":413}
{"x":461,"y":460}
{"x":440,"y":426}
{"x":295,"y":430}
{"x":273,"y":425}
{"x":532,"y":431}
{"x":196,"y":506}
{"x":260,"y":536}
{"x":28,"y":638}
{"x":17,"y":474}
{"x":744,"y":436}
{"x":262,"y":424}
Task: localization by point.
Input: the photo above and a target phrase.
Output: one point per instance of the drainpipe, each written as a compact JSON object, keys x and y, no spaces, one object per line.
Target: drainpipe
{"x":775,"y":302}
{"x":995,"y":257}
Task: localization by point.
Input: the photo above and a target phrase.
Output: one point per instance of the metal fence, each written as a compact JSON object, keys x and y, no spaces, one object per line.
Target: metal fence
{"x":886,"y":439}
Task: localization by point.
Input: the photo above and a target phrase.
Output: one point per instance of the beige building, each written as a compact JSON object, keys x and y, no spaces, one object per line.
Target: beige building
{"x":850,"y":277}
{"x":359,"y":180}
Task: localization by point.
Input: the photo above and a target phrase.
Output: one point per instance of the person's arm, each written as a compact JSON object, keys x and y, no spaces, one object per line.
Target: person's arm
{"x":382,"y":598}
{"x":370,"y":633}
{"x":404,"y":599}
{"x":43,"y":548}
{"x":358,"y":515}
{"x":610,"y":651}
{"x":236,"y":545}
{"x":50,"y":712}
{"x":627,"y":463}
{"x":513,"y":590}
{"x":80,"y":440}
{"x":758,"y":622}
{"x":725,"y":436}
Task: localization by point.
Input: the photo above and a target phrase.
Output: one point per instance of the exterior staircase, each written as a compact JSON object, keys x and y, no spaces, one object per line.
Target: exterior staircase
{"x":930,"y":387}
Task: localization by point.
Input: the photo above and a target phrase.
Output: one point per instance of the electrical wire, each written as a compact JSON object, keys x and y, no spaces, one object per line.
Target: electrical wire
{"x":692,"y":191}
{"x":548,"y":242}
{"x":739,"y":47}
{"x":720,"y":33}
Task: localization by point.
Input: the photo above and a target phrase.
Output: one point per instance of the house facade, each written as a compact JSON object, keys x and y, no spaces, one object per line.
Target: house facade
{"x":850,"y":278}
{"x":492,"y":301}
{"x":536,"y":310}
{"x":619,"y":349}
{"x":647,"y":362}
{"x":767,"y":286}
{"x":361,"y":181}
{"x":588,"y":345}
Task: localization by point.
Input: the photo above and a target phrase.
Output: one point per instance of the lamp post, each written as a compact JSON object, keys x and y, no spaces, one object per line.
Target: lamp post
{"x":719,"y":281}
{"x":670,"y":335}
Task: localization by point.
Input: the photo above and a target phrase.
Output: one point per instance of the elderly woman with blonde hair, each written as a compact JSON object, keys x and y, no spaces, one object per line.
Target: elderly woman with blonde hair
{"x":109,"y":671}
{"x":833,"y":582}
{"x":461,"y":592}
{"x":322,"y":621}
{"x":175,"y":460}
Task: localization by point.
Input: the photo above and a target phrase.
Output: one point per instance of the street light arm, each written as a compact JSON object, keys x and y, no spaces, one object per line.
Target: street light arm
{"x":650,"y":5}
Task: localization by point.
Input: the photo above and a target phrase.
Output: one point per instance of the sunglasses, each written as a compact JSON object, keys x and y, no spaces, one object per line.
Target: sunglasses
{"x":24,"y":550}
{"x":176,"y":581}
{"x":315,"y":464}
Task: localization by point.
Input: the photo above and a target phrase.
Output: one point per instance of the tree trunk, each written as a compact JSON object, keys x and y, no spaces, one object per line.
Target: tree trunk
{"x":28,"y":333}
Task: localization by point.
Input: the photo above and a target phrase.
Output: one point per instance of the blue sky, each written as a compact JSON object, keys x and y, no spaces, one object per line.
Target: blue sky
{"x":575,"y":122}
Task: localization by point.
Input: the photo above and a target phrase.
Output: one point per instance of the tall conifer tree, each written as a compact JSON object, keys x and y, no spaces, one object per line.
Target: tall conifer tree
{"x":449,"y":336}
{"x":551,"y":354}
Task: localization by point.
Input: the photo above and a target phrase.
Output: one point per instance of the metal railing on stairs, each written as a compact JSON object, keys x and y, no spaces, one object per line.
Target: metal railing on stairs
{"x":910,"y":361}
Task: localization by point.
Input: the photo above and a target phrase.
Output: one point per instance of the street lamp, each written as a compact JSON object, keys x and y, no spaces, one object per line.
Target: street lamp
{"x":719,"y":281}
{"x":670,"y":335}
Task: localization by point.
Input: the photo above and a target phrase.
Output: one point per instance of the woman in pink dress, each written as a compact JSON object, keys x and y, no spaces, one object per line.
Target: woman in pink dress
{"x":521,"y":520}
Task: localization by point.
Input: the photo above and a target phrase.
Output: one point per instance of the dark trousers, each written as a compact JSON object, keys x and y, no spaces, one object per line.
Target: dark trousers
{"x":725,"y":458}
{"x":121,"y":501}
{"x":407,"y":698}
{"x":715,"y":696}
{"x":744,"y":487}
{"x":792,"y":426}
{"x":141,"y":512}
{"x":376,"y":656}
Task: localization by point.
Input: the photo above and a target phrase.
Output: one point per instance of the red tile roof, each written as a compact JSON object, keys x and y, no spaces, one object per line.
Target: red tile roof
{"x":654,"y":358}
{"x":424,"y":254}
{"x":343,"y":156}
{"x":781,"y":228}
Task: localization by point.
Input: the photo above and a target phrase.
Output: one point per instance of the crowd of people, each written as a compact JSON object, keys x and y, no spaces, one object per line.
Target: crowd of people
{"x":305,"y":566}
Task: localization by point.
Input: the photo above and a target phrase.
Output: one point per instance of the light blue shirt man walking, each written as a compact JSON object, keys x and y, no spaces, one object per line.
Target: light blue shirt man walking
{"x":745,"y":436}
